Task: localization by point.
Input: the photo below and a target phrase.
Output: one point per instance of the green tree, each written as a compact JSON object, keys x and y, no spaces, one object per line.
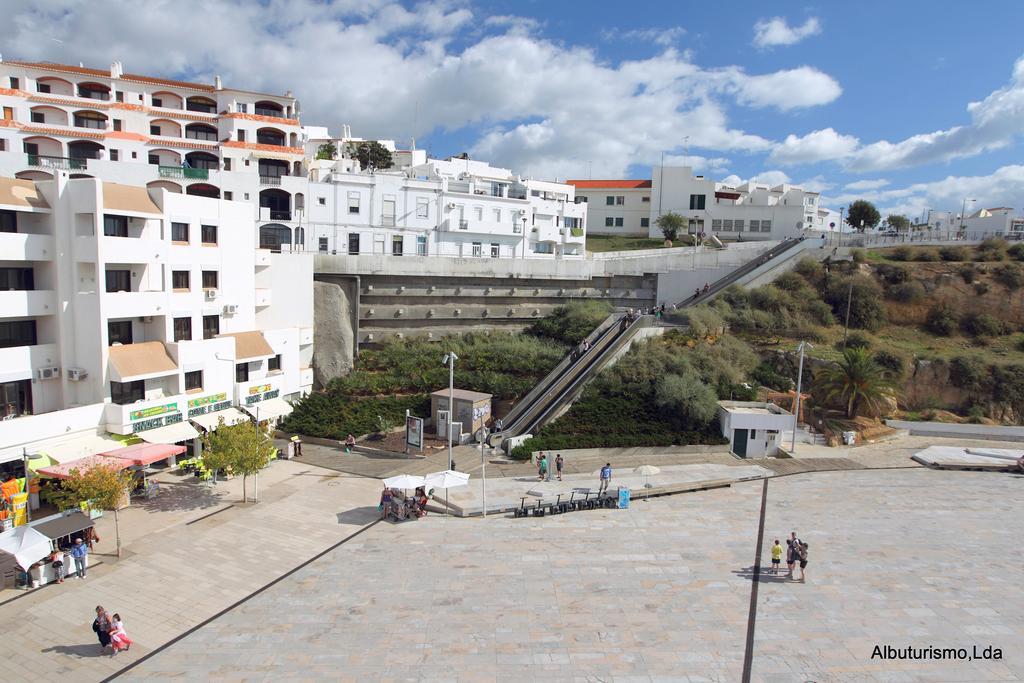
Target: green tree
{"x":327,"y":151}
{"x":670,"y":225}
{"x":101,"y":487}
{"x":858,"y":381}
{"x":371,"y":154}
{"x":863,"y":215}
{"x":899,"y":223}
{"x":687,"y":396}
{"x":245,"y":448}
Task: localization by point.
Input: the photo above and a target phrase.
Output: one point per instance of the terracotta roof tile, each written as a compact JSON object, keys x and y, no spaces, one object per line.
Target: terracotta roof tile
{"x":66,"y":132}
{"x":95,"y":104}
{"x":610,"y":184}
{"x":185,"y":144}
{"x":104,"y":73}
{"x":258,"y":117}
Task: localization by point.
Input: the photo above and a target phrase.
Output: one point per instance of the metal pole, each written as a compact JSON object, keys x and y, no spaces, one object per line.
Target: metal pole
{"x":799,"y":386}
{"x":28,"y":478}
{"x":846,"y":327}
{"x":483,"y":470}
{"x":451,"y":407}
{"x":256,"y":477}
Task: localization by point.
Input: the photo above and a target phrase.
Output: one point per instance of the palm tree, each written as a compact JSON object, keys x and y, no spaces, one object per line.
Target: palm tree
{"x":858,"y":380}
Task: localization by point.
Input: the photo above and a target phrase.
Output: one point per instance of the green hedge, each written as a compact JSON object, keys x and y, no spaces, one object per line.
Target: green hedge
{"x":324,"y":415}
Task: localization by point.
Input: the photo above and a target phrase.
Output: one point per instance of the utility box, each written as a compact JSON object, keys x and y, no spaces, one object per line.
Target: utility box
{"x":472,"y":411}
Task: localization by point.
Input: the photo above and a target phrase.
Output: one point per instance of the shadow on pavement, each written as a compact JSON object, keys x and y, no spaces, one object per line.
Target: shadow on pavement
{"x":180,"y":496}
{"x":80,"y":651}
{"x":765,"y":576}
{"x":358,"y":516}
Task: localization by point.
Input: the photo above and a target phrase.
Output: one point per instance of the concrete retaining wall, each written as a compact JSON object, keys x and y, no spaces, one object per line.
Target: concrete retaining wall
{"x":610,"y":454}
{"x":963,"y":431}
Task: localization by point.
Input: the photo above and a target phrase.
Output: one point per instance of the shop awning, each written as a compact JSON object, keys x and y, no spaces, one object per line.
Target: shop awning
{"x":64,"y":525}
{"x":138,"y":361}
{"x":210,"y":421}
{"x":250,"y":346}
{"x":270,"y":409}
{"x":78,"y":447}
{"x":25,"y":544}
{"x":63,"y":470}
{"x":175,"y":433}
{"x":142,"y":454}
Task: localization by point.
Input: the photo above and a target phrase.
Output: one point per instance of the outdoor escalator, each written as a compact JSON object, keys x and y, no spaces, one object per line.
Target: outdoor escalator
{"x":721,"y":284}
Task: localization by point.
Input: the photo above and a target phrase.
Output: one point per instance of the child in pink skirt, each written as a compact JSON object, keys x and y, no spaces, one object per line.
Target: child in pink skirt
{"x":118,"y":638}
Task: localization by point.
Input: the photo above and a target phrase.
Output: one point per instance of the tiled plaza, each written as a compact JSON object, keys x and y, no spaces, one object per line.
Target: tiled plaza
{"x":661,"y":591}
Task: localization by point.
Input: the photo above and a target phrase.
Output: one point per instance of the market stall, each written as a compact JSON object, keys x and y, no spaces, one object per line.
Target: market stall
{"x":20,"y":548}
{"x":61,"y":530}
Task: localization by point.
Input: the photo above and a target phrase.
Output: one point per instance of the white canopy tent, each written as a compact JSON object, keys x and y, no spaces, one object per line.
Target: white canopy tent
{"x":25,"y":544}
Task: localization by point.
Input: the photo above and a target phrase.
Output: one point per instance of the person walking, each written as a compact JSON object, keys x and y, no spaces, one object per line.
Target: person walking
{"x":792,"y":552}
{"x":558,"y":465}
{"x":80,"y":554}
{"x":119,"y":640}
{"x":384,"y":507}
{"x":606,"y":478}
{"x":101,"y":627}
{"x":57,"y":562}
{"x":801,"y":555}
{"x":776,"y":557}
{"x":542,"y":468}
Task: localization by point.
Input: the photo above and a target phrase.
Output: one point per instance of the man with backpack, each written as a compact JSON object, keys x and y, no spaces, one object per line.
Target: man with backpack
{"x":797,"y":552}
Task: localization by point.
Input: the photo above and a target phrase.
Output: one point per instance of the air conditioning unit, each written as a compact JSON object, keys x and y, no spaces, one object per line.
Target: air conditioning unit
{"x":211,"y":294}
{"x":451,"y":206}
{"x":230,"y":309}
{"x":77,"y":374}
{"x":146,"y":319}
{"x":48,"y":373}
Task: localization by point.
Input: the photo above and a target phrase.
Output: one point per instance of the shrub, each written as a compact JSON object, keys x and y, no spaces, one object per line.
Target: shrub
{"x":907,"y":292}
{"x":570,"y":323}
{"x":1009,"y":275}
{"x":735,"y":296}
{"x":981,"y":288}
{"x":858,"y":256}
{"x":893,"y":363}
{"x":1020,"y":344}
{"x":992,"y":249}
{"x":810,"y":270}
{"x":893,"y":273}
{"x":819,"y":312}
{"x":952,"y":253}
{"x":926,"y":255}
{"x":791,"y":282}
{"x":1016,"y":252}
{"x":702,"y":320}
{"x":968,"y":373}
{"x":765,"y":374}
{"x":982,"y":324}
{"x":688,"y":396}
{"x":811,"y":333}
{"x":941,"y":320}
{"x":865,"y":296}
{"x":854,"y":341}
{"x":902,"y":254}
{"x":968,"y":272}
{"x":771,"y":299}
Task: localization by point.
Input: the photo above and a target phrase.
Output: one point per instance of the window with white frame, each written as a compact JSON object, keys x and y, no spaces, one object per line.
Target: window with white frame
{"x":422,"y":207}
{"x":421,"y":245}
{"x":645,"y":199}
{"x":618,"y":222}
{"x":478,"y":213}
{"x":645,"y":222}
{"x":609,"y":222}
{"x":478,"y":249}
{"x":766,"y":226}
{"x":716,"y":224}
{"x":496,"y":215}
{"x":739,"y":224}
{"x":755,"y":226}
{"x":388,"y":210}
{"x":620,"y":200}
{"x":495,"y":250}
{"x":726,"y":225}
{"x":353,"y":202}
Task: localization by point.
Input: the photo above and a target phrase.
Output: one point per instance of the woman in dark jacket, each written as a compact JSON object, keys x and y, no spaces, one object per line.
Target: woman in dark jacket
{"x":101,"y":625}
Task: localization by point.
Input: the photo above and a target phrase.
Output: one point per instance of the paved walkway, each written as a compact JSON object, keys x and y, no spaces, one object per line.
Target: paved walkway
{"x":174,"y":575}
{"x":661,"y":591}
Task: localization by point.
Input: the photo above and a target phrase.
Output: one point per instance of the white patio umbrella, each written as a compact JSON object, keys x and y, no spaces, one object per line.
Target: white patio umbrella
{"x":646,"y":471}
{"x":446,"y":479}
{"x":26,"y":545}
{"x":404,"y":481}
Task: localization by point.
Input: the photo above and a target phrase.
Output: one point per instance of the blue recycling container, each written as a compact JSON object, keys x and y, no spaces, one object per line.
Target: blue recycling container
{"x":623,"y":497}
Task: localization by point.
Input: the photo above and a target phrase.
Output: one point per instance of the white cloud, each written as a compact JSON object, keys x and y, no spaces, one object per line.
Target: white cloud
{"x":699,"y":164}
{"x":816,"y":184}
{"x":866,"y":185}
{"x":819,"y":145}
{"x":539,"y":106}
{"x":1003,"y":187}
{"x":776,"y":31}
{"x":771,"y":178}
{"x":658,"y":36}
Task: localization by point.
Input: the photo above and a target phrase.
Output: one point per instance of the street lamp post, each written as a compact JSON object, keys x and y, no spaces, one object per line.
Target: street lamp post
{"x":842,"y":210}
{"x":449,"y":360}
{"x":963,"y":209}
{"x":483,"y":468}
{"x":799,"y":383}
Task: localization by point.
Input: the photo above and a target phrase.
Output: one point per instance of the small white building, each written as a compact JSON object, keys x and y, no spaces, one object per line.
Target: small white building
{"x":754,"y":428}
{"x":998,"y":221}
{"x":616,"y":207}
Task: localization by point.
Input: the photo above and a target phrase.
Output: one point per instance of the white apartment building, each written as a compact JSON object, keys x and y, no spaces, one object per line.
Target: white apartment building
{"x":616,"y":207}
{"x":134,"y":312}
{"x":454,"y":207}
{"x":751,"y":211}
{"x":996,"y":221}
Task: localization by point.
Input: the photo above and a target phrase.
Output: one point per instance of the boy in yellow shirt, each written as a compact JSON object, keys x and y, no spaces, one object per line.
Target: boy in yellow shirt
{"x":776,"y":557}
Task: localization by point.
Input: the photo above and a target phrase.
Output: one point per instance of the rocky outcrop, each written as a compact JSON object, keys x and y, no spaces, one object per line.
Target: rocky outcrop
{"x":333,"y":336}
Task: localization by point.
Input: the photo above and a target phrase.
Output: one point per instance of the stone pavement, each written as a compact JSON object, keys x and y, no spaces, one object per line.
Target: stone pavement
{"x":175,"y":574}
{"x":661,"y":591}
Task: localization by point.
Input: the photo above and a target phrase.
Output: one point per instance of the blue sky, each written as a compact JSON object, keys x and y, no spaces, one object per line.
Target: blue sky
{"x":867,"y":99}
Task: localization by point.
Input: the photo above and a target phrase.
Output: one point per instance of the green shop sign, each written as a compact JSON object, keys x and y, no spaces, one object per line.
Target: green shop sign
{"x":152,"y":411}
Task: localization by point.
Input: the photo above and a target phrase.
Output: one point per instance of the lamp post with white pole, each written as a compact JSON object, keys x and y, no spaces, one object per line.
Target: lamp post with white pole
{"x":799,"y":386}
{"x":449,"y":360}
{"x":963,"y":210}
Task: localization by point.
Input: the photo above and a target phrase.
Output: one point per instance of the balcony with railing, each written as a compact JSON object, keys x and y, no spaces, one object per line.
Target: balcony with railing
{"x":280,"y":215}
{"x":270,"y":180}
{"x":184,"y":173}
{"x":62,"y":163}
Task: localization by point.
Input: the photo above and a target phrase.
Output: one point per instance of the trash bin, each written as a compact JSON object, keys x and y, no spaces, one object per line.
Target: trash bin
{"x":849,"y":438}
{"x":623,"y":497}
